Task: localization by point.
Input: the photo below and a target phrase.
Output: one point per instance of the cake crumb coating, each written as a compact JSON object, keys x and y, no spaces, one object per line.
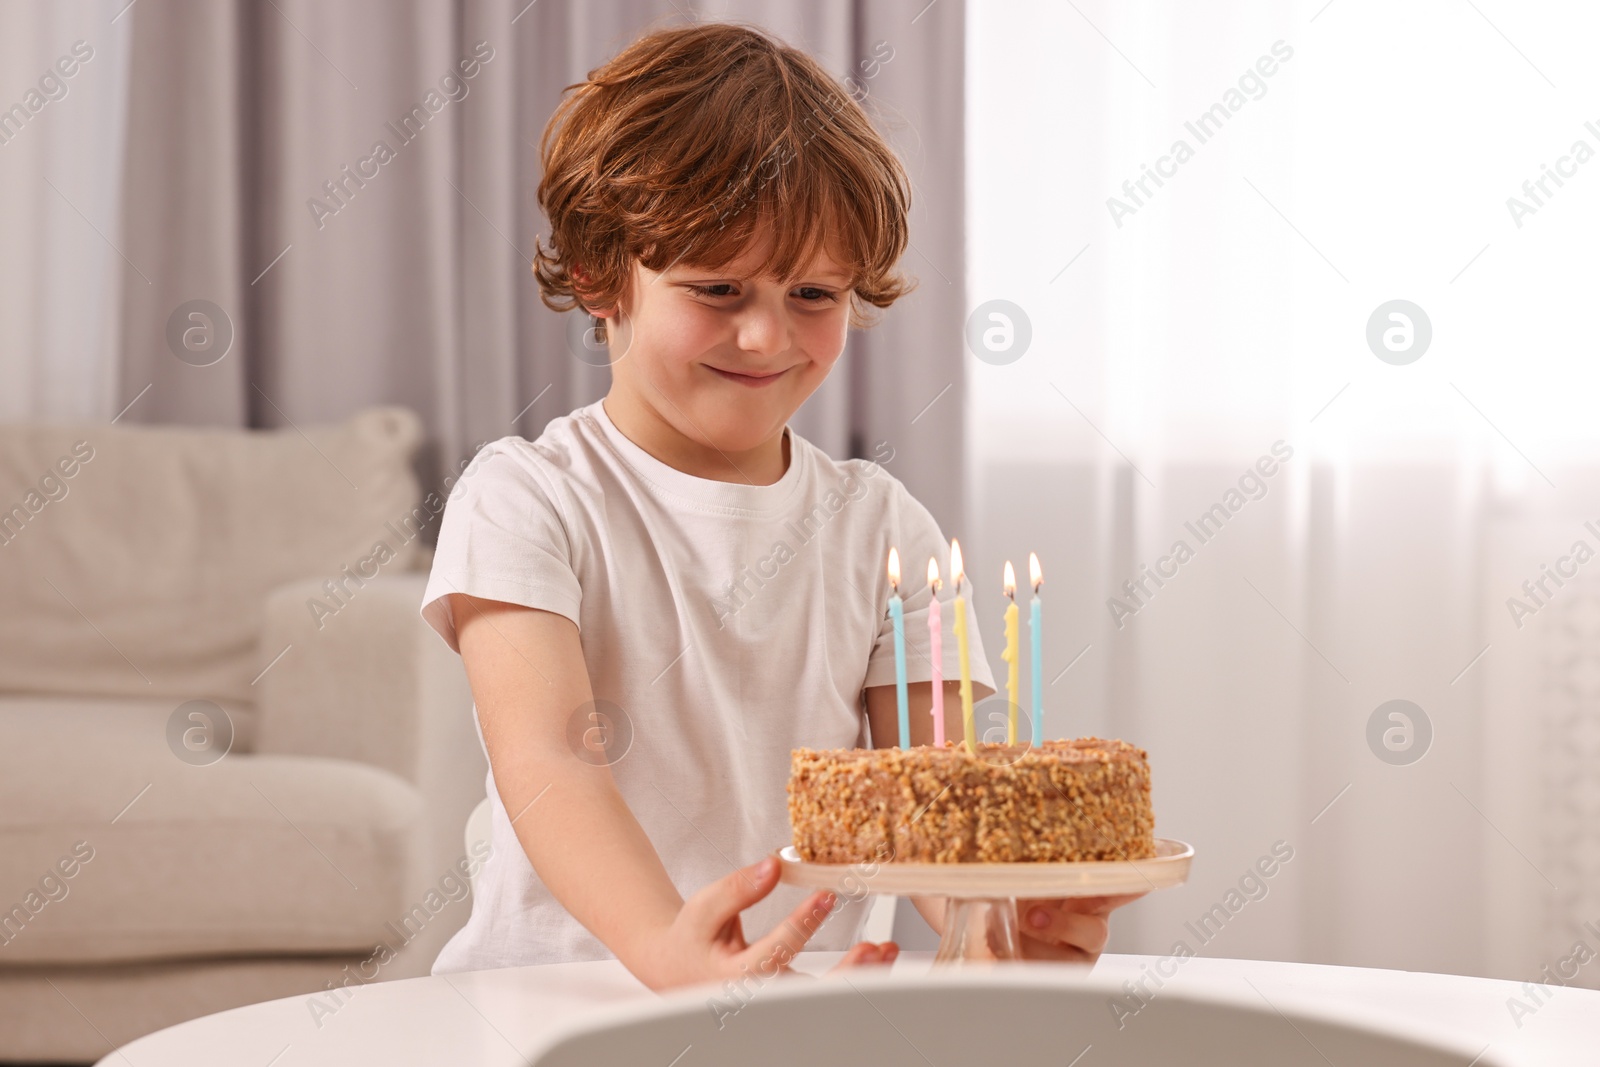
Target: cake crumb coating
{"x":1066,"y":801}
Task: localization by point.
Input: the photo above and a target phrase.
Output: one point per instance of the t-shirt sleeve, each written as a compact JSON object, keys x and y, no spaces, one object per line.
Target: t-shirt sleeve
{"x":916,"y":534}
{"x":502,"y":538}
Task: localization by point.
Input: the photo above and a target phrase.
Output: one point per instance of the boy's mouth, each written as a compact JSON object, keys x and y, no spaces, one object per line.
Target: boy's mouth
{"x":753,"y":381}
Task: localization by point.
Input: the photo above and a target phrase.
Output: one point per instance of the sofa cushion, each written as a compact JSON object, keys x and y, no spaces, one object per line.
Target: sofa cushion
{"x":114,"y":848}
{"x":134,"y":561}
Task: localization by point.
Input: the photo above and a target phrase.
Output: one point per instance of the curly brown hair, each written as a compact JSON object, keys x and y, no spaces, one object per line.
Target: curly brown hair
{"x":693,"y":140}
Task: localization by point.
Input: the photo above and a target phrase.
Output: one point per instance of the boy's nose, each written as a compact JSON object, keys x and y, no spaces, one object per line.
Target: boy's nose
{"x":765,"y":332}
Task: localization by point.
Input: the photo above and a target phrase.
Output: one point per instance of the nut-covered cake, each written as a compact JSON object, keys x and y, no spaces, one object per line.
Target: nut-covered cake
{"x":1062,"y":802}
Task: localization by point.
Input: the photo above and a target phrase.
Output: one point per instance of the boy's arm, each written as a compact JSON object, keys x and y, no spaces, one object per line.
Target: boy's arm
{"x":1072,"y":929}
{"x":528,"y":678}
{"x":883,"y":712}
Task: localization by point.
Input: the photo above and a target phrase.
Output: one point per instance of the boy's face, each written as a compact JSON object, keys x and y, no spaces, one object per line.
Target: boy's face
{"x":723,"y":357}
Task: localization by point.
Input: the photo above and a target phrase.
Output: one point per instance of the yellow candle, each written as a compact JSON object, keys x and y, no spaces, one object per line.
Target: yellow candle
{"x":964,"y":656}
{"x":1012,"y":655}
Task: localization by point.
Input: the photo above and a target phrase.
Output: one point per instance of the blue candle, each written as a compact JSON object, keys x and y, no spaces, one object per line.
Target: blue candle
{"x":1034,"y":630}
{"x":897,"y":613}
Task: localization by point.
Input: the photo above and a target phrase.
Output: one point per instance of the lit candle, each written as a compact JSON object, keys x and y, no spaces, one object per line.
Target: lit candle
{"x":1035,"y":625}
{"x":964,"y":656}
{"x":936,"y":647}
{"x":897,"y":612}
{"x":1012,"y":655}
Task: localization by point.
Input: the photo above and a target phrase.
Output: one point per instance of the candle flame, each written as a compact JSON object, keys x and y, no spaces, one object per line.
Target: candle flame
{"x":1035,"y":575}
{"x":957,"y":572}
{"x":894,"y":568}
{"x":933,"y":574}
{"x":1011,"y":581}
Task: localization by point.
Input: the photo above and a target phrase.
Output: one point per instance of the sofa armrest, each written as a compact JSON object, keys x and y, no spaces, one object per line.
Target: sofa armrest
{"x":368,"y":680}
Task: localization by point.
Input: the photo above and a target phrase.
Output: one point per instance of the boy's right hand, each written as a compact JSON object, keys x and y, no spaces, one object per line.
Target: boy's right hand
{"x":705,"y":942}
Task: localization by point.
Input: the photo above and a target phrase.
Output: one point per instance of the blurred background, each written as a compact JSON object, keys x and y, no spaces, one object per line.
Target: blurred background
{"x":1175,"y":343}
{"x":1305,"y":289}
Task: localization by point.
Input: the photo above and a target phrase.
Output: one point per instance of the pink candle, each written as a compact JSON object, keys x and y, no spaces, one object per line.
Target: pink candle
{"x":936,"y":651}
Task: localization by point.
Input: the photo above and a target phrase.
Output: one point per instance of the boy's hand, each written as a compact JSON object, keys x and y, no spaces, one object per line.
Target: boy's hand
{"x":706,"y":942}
{"x":1067,"y":928}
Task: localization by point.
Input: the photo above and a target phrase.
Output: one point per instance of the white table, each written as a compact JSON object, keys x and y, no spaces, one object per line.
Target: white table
{"x":501,"y":1018}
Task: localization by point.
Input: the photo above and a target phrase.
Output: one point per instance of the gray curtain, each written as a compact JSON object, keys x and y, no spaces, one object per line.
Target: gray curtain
{"x":412,"y":285}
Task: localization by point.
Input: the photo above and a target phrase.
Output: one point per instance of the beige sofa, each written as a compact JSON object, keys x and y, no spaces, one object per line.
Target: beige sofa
{"x":160,"y":590}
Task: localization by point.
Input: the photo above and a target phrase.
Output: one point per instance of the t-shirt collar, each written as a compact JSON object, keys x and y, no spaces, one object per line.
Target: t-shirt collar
{"x":739,"y":496}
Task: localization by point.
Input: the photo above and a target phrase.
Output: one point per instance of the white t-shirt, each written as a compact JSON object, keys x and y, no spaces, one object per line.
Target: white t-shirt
{"x":731,"y":623}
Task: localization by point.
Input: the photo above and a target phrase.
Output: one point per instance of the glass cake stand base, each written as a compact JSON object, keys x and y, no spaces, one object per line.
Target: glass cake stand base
{"x":978,"y":929}
{"x":980,"y":899}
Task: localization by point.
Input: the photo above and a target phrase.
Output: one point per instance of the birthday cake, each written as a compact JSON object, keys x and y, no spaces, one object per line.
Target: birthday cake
{"x":1061,"y":802}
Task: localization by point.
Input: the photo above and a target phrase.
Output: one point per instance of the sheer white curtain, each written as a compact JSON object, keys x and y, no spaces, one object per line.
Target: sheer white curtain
{"x":60,"y":149}
{"x":1354,"y":155}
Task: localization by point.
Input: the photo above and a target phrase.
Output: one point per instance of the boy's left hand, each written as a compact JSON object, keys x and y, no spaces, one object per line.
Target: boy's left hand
{"x":1073,"y":929}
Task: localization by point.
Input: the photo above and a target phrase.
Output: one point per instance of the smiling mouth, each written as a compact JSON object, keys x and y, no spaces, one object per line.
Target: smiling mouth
{"x":753,"y":381}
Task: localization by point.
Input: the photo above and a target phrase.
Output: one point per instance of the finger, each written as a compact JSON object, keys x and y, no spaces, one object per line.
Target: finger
{"x":875,"y":953}
{"x":867,"y":954}
{"x":861,"y":952}
{"x":1087,"y":932}
{"x":716,"y":907}
{"x":790,"y":936}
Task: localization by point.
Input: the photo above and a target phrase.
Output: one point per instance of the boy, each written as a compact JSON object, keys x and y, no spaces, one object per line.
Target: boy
{"x":671,"y":569}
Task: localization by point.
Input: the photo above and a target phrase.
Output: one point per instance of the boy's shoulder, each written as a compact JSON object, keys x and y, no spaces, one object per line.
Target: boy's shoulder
{"x":860,"y":476}
{"x":541,"y":464}
{"x":561,"y":443}
{"x":860,"y":467}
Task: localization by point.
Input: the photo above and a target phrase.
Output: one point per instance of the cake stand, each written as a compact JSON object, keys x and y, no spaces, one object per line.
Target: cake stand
{"x":980,"y":899}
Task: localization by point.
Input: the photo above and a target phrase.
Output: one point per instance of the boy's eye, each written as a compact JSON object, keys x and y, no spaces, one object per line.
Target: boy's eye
{"x":811,"y":294}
